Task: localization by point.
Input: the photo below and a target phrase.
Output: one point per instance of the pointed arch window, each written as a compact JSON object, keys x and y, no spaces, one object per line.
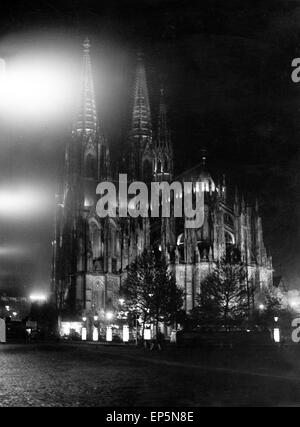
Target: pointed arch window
{"x":229,"y":238}
{"x":90,"y":166}
{"x":147,"y":170}
{"x":96,"y":241}
{"x":228,"y":220}
{"x":180,"y":246}
{"x":113,"y":240}
{"x":230,"y":243}
{"x":159,"y":166}
{"x":114,"y":246}
{"x":166,"y":168}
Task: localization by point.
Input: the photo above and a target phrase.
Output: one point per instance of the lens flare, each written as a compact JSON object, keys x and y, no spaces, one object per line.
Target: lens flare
{"x":34,"y":87}
{"x":26,"y":202}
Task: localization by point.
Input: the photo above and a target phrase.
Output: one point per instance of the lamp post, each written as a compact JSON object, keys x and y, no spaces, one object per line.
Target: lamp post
{"x":83,"y":332}
{"x":95,"y":328}
{"x":276,"y":330}
{"x":122,"y":315}
{"x":109,"y":316}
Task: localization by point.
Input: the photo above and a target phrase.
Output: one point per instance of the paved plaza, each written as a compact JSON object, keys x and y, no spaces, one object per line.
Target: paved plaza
{"x":50,"y":374}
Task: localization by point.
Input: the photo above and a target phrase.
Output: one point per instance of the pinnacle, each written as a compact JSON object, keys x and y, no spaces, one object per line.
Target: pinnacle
{"x":86,"y":45}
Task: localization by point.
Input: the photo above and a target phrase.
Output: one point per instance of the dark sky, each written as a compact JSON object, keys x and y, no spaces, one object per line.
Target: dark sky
{"x":226,"y":68}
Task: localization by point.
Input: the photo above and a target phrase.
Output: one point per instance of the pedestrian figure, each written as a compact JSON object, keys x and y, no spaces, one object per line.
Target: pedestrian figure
{"x":157,"y":341}
{"x":160,"y":340}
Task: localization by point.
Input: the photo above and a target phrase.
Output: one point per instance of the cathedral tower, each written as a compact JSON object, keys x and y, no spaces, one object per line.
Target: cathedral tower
{"x":88,"y":134}
{"x":163,"y":146}
{"x":86,"y":163}
{"x":141,"y":146}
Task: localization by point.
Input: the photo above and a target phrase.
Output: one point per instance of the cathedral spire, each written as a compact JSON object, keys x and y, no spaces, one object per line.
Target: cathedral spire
{"x":163,"y":132}
{"x":87,"y":117}
{"x":141,"y":117}
{"x":163,"y":146}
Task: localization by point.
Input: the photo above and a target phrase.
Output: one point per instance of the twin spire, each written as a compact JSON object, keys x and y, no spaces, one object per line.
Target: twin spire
{"x":141,"y":116}
{"x":141,"y":126}
{"x":163,"y":131}
{"x":155,"y":147}
{"x":87,"y":117}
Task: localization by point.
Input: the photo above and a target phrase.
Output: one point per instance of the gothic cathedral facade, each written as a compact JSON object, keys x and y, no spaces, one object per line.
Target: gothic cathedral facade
{"x":91,"y":254}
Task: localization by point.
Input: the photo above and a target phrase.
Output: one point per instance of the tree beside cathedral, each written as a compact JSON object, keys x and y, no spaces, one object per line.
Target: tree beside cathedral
{"x":226,"y":299}
{"x":151,"y":292}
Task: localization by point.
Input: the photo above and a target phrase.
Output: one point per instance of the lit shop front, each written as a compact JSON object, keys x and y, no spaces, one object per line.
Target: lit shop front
{"x":82,"y":330}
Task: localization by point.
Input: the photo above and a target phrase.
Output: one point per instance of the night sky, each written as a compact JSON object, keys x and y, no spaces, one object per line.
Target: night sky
{"x":226,"y":68}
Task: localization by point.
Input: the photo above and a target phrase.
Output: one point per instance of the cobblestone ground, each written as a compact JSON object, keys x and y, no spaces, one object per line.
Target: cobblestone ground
{"x":67,"y":375}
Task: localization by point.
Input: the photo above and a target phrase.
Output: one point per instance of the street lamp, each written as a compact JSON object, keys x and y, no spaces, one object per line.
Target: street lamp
{"x":95,"y":334}
{"x":36,"y":85}
{"x":109,"y":315}
{"x":261,"y":307}
{"x":83,"y":330}
{"x":38,"y":298}
{"x":276,"y":331}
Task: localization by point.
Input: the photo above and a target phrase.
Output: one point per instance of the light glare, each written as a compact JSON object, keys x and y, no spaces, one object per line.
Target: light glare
{"x":37,"y":297}
{"x":109,"y":315}
{"x":34,"y":86}
{"x":23,"y":202}
{"x":276,"y":335}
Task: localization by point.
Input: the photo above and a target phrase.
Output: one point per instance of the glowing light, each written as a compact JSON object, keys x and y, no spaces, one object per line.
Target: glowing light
{"x":88,"y":202}
{"x":109,"y":315}
{"x":65,"y":328}
{"x":7,"y":307}
{"x":95,"y":318}
{"x":83,"y":334}
{"x":37,"y":298}
{"x":95,"y":334}
{"x":276,"y":335}
{"x":276,"y":319}
{"x":84,"y":318}
{"x":147,"y":334}
{"x":125,"y":333}
{"x":35,"y":85}
{"x":261,"y":306}
{"x":109,"y":334}
{"x":15,"y":314}
{"x":23,"y":202}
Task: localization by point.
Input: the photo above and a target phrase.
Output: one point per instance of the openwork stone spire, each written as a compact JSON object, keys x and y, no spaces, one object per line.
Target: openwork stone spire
{"x":163,"y":132}
{"x":163,"y":144}
{"x":87,"y":117}
{"x":141,"y":118}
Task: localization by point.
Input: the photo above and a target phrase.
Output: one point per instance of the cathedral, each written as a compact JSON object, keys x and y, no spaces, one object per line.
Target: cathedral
{"x":91,"y":255}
